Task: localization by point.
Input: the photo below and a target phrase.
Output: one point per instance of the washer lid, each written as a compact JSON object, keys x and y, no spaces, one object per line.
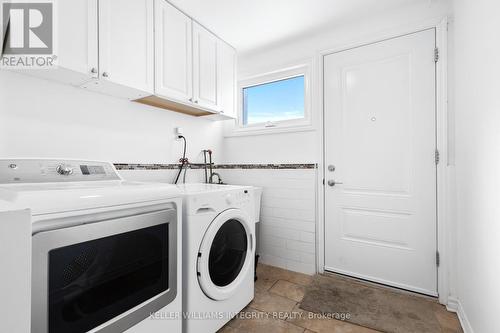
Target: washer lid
{"x":48,"y":198}
{"x":54,"y":186}
{"x":225,"y":254}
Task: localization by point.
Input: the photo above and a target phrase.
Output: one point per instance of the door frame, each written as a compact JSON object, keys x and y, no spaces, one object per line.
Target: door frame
{"x":444,"y":229}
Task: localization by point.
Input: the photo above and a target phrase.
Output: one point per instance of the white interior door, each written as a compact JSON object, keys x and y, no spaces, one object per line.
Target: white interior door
{"x":380,"y":174}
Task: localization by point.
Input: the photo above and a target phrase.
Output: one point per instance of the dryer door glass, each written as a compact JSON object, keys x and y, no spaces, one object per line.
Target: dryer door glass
{"x":227,"y":253}
{"x":95,"y":281}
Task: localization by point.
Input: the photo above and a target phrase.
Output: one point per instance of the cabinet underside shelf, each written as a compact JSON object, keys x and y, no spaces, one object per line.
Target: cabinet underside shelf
{"x":173,"y":106}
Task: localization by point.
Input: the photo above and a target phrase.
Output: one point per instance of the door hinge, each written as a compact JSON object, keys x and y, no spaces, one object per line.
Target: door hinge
{"x":438,"y":259}
{"x":436,"y":156}
{"x":323,"y":181}
{"x":436,"y":54}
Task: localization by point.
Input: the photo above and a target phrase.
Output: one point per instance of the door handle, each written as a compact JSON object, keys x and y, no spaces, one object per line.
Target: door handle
{"x":332,"y":183}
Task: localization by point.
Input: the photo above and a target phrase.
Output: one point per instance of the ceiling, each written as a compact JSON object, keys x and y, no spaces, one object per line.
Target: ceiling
{"x":253,"y":24}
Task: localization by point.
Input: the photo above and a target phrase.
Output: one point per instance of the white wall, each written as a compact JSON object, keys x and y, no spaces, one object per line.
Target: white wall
{"x":477,"y":67}
{"x":40,"y":118}
{"x":299,"y":147}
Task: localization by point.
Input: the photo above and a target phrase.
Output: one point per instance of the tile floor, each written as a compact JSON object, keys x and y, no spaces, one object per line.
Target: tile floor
{"x":275,"y":309}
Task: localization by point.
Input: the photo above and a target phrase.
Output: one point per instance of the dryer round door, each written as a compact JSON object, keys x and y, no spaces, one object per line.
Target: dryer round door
{"x":226,"y":254}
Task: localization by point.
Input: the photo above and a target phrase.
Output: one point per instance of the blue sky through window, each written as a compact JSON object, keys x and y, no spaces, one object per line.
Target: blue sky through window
{"x":274,"y":101}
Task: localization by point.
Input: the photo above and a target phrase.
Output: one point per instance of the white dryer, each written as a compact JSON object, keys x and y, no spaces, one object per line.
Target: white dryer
{"x":218,"y":254}
{"x":106,"y":253}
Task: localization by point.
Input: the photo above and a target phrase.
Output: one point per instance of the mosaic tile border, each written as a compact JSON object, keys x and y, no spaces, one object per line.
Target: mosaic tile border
{"x":266,"y":166}
{"x":139,"y":166}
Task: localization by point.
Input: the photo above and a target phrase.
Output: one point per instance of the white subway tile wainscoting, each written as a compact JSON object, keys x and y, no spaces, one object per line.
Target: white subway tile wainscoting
{"x":287,"y":224}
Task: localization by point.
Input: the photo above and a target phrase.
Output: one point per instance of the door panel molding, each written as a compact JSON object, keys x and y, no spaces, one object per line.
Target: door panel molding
{"x":349,"y":232}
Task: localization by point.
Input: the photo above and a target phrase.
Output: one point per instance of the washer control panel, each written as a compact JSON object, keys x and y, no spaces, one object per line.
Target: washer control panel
{"x":64,"y":170}
{"x":37,"y":171}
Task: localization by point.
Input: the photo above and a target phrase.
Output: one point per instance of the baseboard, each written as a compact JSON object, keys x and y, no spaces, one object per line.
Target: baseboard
{"x":454,"y":305}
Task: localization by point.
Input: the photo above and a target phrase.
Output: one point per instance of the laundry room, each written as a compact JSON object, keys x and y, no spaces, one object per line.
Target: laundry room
{"x":249,"y":166}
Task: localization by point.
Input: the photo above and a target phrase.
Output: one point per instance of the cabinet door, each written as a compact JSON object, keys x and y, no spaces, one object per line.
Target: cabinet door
{"x":76,"y":42}
{"x":174,"y":58}
{"x":205,"y":68}
{"x":227,"y":79}
{"x":126,"y":45}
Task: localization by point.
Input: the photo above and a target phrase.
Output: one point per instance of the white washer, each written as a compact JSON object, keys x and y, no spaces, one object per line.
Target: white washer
{"x":106,"y":253}
{"x":218,"y":254}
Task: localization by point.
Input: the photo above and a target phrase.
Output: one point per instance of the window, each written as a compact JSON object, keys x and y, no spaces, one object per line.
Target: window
{"x":274,"y":101}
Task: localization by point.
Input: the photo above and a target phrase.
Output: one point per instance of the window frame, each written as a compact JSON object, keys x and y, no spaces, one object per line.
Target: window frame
{"x":304,"y":123}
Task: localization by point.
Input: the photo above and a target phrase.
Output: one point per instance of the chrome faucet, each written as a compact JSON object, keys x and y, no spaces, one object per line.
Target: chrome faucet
{"x":210,"y":179}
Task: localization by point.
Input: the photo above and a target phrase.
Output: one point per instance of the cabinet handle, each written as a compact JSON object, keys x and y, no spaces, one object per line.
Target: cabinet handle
{"x":196,"y":101}
{"x":191,"y":100}
{"x":105,"y":74}
{"x":93,"y":70}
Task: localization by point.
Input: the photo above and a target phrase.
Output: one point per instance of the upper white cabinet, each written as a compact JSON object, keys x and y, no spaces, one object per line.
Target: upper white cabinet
{"x":77,"y":43}
{"x":195,"y":70}
{"x":126,"y":44}
{"x":174,"y":65}
{"x":77,"y":40}
{"x":126,"y":49}
{"x":186,"y":60}
{"x":105,"y":46}
{"x":227,"y":79}
{"x":144,"y":50}
{"x":205,"y":68}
